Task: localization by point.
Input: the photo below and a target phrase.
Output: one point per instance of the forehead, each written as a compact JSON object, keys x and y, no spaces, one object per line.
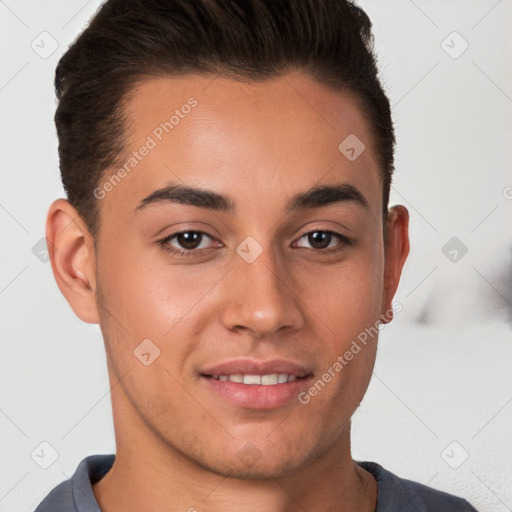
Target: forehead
{"x":275,"y":137}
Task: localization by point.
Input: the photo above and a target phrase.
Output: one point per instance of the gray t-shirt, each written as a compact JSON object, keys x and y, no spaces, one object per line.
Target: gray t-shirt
{"x":395,"y":494}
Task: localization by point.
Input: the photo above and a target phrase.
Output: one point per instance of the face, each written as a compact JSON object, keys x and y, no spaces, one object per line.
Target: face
{"x":249,"y":289}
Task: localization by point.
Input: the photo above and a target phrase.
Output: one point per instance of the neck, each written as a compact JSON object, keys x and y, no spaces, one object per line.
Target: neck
{"x":142,"y":479}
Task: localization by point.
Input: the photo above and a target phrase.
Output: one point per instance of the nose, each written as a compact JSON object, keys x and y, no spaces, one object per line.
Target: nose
{"x":261,"y":297}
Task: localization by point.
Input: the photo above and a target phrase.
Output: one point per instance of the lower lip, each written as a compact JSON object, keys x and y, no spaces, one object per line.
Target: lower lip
{"x":257,"y":396}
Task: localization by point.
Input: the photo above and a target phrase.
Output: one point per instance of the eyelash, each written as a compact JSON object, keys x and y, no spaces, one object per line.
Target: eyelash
{"x":345,"y":241}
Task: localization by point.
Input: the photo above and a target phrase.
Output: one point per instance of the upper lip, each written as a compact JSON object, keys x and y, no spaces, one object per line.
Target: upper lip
{"x":257,"y":367}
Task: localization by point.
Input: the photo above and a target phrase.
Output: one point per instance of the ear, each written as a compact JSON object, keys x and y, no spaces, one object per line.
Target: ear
{"x":396,"y":246}
{"x":73,"y":259}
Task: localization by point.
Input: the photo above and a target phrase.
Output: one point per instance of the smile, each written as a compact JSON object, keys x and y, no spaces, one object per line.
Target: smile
{"x":270,"y":379}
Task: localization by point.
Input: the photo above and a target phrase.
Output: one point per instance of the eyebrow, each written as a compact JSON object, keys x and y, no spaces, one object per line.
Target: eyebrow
{"x":315,"y":197}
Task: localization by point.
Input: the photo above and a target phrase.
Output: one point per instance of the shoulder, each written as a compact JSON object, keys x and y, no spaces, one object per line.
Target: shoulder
{"x":396,"y":493}
{"x":75,"y":494}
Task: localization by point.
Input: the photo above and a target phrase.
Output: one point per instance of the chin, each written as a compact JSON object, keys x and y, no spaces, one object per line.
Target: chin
{"x":260,"y":460}
{"x":262,"y":469}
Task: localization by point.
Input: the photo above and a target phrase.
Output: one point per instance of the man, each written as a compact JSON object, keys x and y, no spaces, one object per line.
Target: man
{"x":227,"y":166}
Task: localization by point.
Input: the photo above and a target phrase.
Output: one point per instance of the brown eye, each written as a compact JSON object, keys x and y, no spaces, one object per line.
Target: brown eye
{"x":189,"y":239}
{"x":322,"y":240}
{"x":319,"y":239}
{"x":187,"y":242}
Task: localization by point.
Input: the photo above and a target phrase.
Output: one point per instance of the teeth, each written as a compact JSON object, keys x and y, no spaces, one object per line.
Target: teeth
{"x":269,"y":379}
{"x":252,"y":379}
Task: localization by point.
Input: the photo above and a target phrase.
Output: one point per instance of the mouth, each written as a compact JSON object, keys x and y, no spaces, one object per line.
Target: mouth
{"x":255,"y":384}
{"x":268,"y":379}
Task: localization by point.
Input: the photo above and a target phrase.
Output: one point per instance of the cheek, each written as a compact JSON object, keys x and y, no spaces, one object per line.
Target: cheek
{"x":346,"y":304}
{"x":346,"y":298}
{"x":148,"y":296}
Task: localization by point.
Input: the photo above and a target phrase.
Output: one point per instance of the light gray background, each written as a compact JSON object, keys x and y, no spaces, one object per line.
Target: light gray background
{"x":442,"y":388}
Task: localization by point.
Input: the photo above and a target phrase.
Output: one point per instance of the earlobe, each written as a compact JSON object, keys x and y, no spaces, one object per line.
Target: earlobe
{"x":73,"y":259}
{"x":396,"y":252}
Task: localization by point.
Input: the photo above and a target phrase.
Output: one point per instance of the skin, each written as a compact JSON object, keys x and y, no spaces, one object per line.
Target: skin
{"x":259,"y":144}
